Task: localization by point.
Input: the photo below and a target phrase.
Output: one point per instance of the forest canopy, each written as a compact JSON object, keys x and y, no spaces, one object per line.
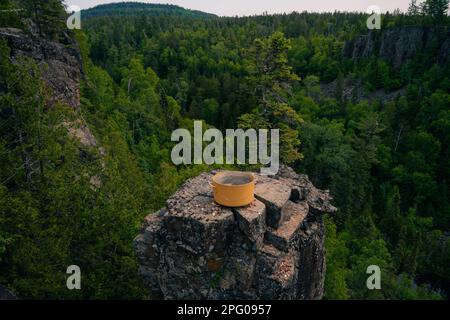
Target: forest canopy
{"x":376,"y":134}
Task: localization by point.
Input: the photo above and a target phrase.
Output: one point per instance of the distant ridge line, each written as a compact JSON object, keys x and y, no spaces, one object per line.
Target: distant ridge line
{"x":141,"y":8}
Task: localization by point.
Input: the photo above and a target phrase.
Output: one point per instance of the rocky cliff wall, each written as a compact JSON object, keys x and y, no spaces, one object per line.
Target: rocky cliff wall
{"x":395,"y":45}
{"x":61,"y":69}
{"x":271,"y":249}
{"x":60,"y":63}
{"x":400,"y":44}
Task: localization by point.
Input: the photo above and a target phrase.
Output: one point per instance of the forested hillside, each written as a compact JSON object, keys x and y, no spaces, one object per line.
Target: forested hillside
{"x":142,"y":9}
{"x":378,"y":139}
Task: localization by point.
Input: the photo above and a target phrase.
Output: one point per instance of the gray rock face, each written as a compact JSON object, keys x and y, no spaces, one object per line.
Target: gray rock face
{"x":61,"y":69}
{"x":400,"y":44}
{"x":271,"y":249}
{"x":60,"y":64}
{"x":444,"y":52}
{"x":361,"y":47}
{"x":354,"y":91}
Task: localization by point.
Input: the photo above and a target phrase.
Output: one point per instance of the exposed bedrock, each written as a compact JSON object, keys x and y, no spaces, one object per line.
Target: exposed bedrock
{"x":271,"y":249}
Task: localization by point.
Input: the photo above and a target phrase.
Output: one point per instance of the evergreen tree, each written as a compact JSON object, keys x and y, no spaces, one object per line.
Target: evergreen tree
{"x":48,"y":15}
{"x":272,"y":78}
{"x":414,"y":8}
{"x":437,"y":9}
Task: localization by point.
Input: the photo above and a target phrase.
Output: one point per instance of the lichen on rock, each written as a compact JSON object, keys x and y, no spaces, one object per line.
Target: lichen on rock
{"x":271,"y":249}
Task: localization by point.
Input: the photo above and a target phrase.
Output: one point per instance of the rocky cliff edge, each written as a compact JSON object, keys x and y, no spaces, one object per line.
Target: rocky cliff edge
{"x":271,"y":249}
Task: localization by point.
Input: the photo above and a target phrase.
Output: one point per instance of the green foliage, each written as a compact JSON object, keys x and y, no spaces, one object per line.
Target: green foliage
{"x":385,"y":163}
{"x":10,"y":15}
{"x":142,"y":9}
{"x":437,"y":9}
{"x":48,"y":16}
{"x":271,"y":76}
{"x":336,"y":255}
{"x":52,"y":214}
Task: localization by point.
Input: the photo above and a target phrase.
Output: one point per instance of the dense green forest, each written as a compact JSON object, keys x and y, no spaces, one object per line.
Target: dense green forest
{"x":386,"y":162}
{"x":142,"y":9}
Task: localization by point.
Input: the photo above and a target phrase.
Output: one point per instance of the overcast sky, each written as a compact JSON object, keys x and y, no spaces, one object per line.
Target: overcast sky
{"x":252,"y":7}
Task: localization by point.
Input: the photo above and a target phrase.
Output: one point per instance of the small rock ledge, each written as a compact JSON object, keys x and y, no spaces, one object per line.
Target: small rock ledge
{"x":271,"y":249}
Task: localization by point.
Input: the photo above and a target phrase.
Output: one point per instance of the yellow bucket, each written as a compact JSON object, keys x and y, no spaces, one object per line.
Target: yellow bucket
{"x":233,"y":188}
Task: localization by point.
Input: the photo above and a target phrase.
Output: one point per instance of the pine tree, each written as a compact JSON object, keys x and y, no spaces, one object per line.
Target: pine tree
{"x":437,"y":9}
{"x":272,"y":78}
{"x":414,"y":8}
{"x":48,"y":15}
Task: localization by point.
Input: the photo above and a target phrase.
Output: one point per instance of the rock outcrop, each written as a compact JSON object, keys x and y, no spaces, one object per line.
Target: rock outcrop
{"x":61,"y":69}
{"x":271,"y":249}
{"x":354,"y":91}
{"x":400,"y":44}
{"x":60,"y":63}
{"x":396,"y":46}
